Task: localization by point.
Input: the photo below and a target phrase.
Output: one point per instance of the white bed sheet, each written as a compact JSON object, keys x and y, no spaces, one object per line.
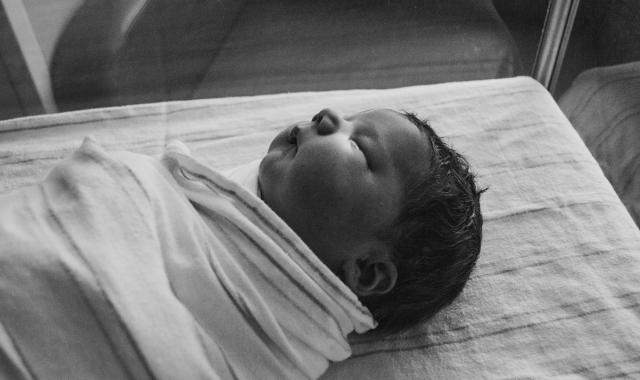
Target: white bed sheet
{"x":556,"y":291}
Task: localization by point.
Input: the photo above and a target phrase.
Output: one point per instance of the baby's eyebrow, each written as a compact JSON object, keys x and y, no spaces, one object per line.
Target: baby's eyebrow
{"x":407,"y":115}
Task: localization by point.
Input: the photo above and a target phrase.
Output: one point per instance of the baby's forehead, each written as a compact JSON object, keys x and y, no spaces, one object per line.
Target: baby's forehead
{"x":405,"y":141}
{"x":377,"y":113}
{"x":383,"y":117}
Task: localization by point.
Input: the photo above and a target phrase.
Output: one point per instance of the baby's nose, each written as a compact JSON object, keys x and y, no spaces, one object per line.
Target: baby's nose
{"x":327,"y":121}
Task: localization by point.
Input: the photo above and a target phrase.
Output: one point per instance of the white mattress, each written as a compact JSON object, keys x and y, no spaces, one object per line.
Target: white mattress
{"x":556,"y":290}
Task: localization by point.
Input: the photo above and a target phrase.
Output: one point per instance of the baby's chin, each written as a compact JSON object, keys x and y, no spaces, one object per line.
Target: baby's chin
{"x":270,"y":172}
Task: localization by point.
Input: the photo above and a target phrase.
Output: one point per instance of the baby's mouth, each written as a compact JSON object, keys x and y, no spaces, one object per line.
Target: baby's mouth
{"x":292,"y":138}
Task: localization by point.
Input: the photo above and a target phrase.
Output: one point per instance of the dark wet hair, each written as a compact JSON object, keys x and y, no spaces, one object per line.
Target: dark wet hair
{"x":436,"y":239}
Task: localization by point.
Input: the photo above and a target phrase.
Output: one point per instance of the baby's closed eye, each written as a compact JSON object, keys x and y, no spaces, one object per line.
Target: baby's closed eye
{"x":356,"y":145}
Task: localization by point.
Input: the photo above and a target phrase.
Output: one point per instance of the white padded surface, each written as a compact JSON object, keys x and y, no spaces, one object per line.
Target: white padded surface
{"x":555,"y":291}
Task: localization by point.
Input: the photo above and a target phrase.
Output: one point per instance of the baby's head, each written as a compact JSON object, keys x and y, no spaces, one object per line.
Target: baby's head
{"x":384,"y":203}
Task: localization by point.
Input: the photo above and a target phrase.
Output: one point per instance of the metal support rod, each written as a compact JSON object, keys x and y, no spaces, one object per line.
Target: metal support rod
{"x":553,"y":43}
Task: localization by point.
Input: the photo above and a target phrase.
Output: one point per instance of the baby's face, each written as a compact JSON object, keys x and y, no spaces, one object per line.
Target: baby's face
{"x":337,"y":182}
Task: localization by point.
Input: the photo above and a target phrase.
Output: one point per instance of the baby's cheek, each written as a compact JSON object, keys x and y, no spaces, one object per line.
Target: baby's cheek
{"x":332,"y":173}
{"x":330,"y":199}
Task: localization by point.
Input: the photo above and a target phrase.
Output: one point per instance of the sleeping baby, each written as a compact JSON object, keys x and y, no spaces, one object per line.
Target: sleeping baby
{"x":390,"y":208}
{"x":124,"y":265}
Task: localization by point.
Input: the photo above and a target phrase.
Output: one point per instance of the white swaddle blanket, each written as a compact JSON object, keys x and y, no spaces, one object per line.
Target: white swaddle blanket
{"x":125,"y":266}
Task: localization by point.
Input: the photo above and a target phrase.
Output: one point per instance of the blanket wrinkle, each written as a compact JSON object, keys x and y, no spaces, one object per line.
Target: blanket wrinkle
{"x":161,"y":268}
{"x":247,"y":312}
{"x":12,"y":360}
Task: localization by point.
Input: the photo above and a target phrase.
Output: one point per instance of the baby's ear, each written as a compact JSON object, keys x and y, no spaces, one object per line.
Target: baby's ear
{"x":371,"y":274}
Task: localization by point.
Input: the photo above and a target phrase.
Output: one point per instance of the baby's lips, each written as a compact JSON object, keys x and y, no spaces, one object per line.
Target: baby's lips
{"x":280,"y":141}
{"x":292,"y":136}
{"x":299,"y":132}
